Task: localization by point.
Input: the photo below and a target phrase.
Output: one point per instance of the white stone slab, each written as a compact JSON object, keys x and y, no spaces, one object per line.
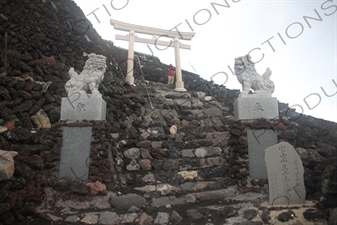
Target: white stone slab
{"x":82,"y":106}
{"x":258,"y":141}
{"x":285,"y":175}
{"x":255,"y":107}
{"x":75,"y":153}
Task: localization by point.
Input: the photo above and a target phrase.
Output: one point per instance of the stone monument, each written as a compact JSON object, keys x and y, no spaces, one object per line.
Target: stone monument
{"x":258,"y":141}
{"x":84,"y":102}
{"x":259,"y":104}
{"x":75,"y":153}
{"x":285,"y":175}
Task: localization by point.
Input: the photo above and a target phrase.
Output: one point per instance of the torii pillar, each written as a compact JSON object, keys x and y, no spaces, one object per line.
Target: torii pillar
{"x":129,"y":73}
{"x":133,"y":29}
{"x":179,"y":76}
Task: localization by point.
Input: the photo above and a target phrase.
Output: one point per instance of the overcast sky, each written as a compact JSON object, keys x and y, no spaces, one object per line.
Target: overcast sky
{"x":300,"y":51}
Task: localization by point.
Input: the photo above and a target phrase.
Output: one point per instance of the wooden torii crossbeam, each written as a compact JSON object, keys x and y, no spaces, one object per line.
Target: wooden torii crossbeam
{"x":156,"y":34}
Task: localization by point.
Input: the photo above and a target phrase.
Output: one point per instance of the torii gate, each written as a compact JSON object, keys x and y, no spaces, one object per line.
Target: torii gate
{"x":155,"y":32}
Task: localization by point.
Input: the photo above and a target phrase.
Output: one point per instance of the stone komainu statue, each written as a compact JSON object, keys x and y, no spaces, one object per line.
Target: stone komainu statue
{"x":90,"y":78}
{"x":250,"y":79}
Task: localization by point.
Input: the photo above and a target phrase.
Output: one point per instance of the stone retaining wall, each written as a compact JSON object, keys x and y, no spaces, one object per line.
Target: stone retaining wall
{"x":206,"y":150}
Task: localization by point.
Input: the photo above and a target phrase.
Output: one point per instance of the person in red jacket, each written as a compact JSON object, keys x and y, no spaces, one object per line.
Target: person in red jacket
{"x":170,"y":75}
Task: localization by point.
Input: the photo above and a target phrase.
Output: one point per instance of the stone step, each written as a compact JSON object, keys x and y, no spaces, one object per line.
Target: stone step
{"x":206,"y":143}
{"x":225,"y":213}
{"x":172,"y":153}
{"x":209,"y":167}
{"x":167,"y":189}
{"x":201,"y":152}
{"x":209,"y":113}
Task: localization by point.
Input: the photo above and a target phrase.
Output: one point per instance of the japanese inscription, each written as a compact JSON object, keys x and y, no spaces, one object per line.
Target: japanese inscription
{"x":258,"y":107}
{"x":81,"y":106}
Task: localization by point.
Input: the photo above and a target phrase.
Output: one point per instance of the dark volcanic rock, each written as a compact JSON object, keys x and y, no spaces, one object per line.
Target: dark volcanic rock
{"x":312,"y":181}
{"x":126,"y":201}
{"x":34,"y":161}
{"x":311,"y":158}
{"x":329,"y":177}
{"x":4,"y":207}
{"x":327,"y":151}
{"x":21,"y":134}
{"x":7,"y":218}
{"x":220,"y":171}
{"x":170,"y":164}
{"x":333,"y":216}
{"x":249,"y":223}
{"x":265,"y":216}
{"x":4,"y":94}
{"x":285,"y":216}
{"x":250,"y":214}
{"x":244,"y":190}
{"x":176,"y":218}
{"x":173,"y":153}
{"x":25,"y":106}
{"x":314,"y":215}
{"x":194,"y":214}
{"x":144,"y":144}
{"x":25,"y":118}
{"x":80,"y":189}
{"x":227,"y":212}
{"x":60,"y":185}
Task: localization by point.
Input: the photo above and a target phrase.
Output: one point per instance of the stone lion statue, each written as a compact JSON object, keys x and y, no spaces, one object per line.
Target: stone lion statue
{"x":90,"y":78}
{"x":246,"y":73}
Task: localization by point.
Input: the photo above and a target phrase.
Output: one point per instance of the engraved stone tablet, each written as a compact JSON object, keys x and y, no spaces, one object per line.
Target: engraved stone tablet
{"x":285,"y":175}
{"x":258,"y":141}
{"x":75,"y":153}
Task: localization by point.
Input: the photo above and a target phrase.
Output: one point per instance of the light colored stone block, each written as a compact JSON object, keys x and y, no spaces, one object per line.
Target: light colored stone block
{"x":82,"y":106}
{"x":255,"y":107}
{"x":7,"y":164}
{"x":258,"y":141}
{"x":75,"y":153}
{"x":285,"y":175}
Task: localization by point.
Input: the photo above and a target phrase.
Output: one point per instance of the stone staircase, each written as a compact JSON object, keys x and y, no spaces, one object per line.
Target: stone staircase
{"x":177,"y":164}
{"x":184,"y":157}
{"x":189,"y":170}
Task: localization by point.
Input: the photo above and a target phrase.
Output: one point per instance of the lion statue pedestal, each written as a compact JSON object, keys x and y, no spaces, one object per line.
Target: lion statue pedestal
{"x":84,"y":102}
{"x":255,"y":105}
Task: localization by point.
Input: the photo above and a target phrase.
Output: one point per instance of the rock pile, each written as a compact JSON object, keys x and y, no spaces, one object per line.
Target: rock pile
{"x":157,"y":150}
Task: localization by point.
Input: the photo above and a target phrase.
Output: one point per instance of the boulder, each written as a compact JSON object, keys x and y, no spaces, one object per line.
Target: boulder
{"x":6,"y":164}
{"x":97,"y":187}
{"x":41,"y":119}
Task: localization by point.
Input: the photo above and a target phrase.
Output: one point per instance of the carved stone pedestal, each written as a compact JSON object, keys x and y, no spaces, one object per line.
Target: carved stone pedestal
{"x":82,"y":106}
{"x":255,"y":106}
